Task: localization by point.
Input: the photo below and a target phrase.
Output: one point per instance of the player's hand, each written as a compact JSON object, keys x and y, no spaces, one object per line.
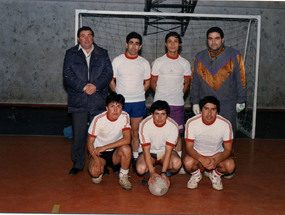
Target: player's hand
{"x":152,"y":177}
{"x":207,"y":163}
{"x":196,"y":109}
{"x":240,"y":107}
{"x":213,"y":163}
{"x":100,"y":149}
{"x":166,"y":179}
{"x":97,"y":169}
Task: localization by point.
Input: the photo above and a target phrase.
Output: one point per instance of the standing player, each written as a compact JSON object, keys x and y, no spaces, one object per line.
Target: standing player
{"x":132,"y":80}
{"x":209,"y":140}
{"x":219,"y":71}
{"x":170,"y":80}
{"x":108,"y":141}
{"x":158,"y":135}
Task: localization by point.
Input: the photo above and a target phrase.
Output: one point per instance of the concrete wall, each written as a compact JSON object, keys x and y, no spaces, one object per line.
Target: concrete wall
{"x":36,"y":34}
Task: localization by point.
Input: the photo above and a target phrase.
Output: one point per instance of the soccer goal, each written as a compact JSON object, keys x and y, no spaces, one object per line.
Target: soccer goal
{"x":241,"y":32}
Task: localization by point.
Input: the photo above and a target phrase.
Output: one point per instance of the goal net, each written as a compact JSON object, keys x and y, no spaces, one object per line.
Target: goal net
{"x":241,"y":32}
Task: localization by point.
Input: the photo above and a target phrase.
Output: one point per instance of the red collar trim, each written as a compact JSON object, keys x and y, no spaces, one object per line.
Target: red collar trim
{"x":210,"y":122}
{"x":110,"y":119}
{"x":159,"y":125}
{"x":131,"y":58}
{"x":173,"y":58}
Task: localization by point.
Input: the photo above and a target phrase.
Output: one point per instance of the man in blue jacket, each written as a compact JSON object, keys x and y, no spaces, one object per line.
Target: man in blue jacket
{"x":87,"y":71}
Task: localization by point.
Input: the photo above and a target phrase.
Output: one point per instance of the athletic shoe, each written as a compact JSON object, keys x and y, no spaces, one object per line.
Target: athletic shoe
{"x":182,"y":171}
{"x":125,"y":183}
{"x":145,"y":179}
{"x":229,"y":176}
{"x":193,"y":181}
{"x":97,"y":180}
{"x":216,"y":181}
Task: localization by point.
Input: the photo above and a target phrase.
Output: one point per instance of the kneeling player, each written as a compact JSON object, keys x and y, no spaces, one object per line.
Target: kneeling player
{"x":158,"y":135}
{"x":209,"y":139}
{"x":109,"y":139}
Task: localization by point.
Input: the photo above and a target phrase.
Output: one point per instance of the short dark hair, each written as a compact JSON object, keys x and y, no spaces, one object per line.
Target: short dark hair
{"x":173,"y":34}
{"x":160,"y":105}
{"x":134,"y":35}
{"x":114,"y":97}
{"x":84,"y":28}
{"x":210,"y":99}
{"x":215,"y":29}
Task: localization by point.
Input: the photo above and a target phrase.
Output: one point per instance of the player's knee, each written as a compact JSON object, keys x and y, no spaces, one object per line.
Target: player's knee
{"x":141,"y":169}
{"x":176,"y":164}
{"x":126,"y":150}
{"x":188,"y":162}
{"x":230,"y":166}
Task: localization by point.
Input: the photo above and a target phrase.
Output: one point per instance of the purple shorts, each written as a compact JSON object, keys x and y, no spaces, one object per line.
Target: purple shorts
{"x":177,"y":114}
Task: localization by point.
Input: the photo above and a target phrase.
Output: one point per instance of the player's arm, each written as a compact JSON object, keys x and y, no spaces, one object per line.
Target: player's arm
{"x":153,"y":82}
{"x":146,"y":84}
{"x":97,"y":167}
{"x":90,"y":145}
{"x":166,"y":162}
{"x":125,"y":140}
{"x":112,"y":85}
{"x":195,"y":83}
{"x":147,"y":158}
{"x":167,"y":156}
{"x":186,"y":84}
{"x":240,"y":81}
{"x":148,"y":161}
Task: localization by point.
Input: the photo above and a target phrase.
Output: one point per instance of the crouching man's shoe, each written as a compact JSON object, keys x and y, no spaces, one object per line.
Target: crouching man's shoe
{"x":125,"y":183}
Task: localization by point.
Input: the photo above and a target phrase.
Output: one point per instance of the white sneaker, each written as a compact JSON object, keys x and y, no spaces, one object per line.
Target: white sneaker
{"x":229,"y":176}
{"x":182,"y":171}
{"x":97,"y":180}
{"x":216,"y":181}
{"x":125,"y":183}
{"x":193,"y":181}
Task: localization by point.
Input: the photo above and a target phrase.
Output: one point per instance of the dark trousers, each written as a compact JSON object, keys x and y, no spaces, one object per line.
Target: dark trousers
{"x":80,"y":124}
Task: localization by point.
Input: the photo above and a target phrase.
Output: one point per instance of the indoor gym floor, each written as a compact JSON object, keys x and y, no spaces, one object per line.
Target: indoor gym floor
{"x":34,"y":179}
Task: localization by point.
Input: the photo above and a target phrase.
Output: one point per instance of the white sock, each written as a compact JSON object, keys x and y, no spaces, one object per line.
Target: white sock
{"x":179,"y":153}
{"x":216,"y":173}
{"x":123,"y":171}
{"x":196,"y":173}
{"x":135,"y":155}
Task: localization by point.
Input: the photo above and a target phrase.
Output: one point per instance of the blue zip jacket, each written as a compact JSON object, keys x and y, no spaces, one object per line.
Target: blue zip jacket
{"x":75,"y":75}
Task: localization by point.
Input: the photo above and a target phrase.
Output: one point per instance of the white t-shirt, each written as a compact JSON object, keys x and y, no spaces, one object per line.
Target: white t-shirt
{"x":208,"y":138}
{"x":107,"y":131}
{"x":130,"y":74}
{"x":171,"y":73}
{"x":157,"y":137}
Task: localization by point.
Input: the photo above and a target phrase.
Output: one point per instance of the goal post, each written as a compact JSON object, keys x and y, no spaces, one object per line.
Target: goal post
{"x":242,"y":32}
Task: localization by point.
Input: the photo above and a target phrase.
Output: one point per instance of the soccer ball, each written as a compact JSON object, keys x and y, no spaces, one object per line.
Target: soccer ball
{"x":159,"y":187}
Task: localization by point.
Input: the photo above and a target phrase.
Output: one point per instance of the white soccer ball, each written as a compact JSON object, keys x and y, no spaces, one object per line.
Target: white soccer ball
{"x":159,"y":187}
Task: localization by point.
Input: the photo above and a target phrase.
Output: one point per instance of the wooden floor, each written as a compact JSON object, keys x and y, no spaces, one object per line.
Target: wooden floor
{"x":34,"y":179}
